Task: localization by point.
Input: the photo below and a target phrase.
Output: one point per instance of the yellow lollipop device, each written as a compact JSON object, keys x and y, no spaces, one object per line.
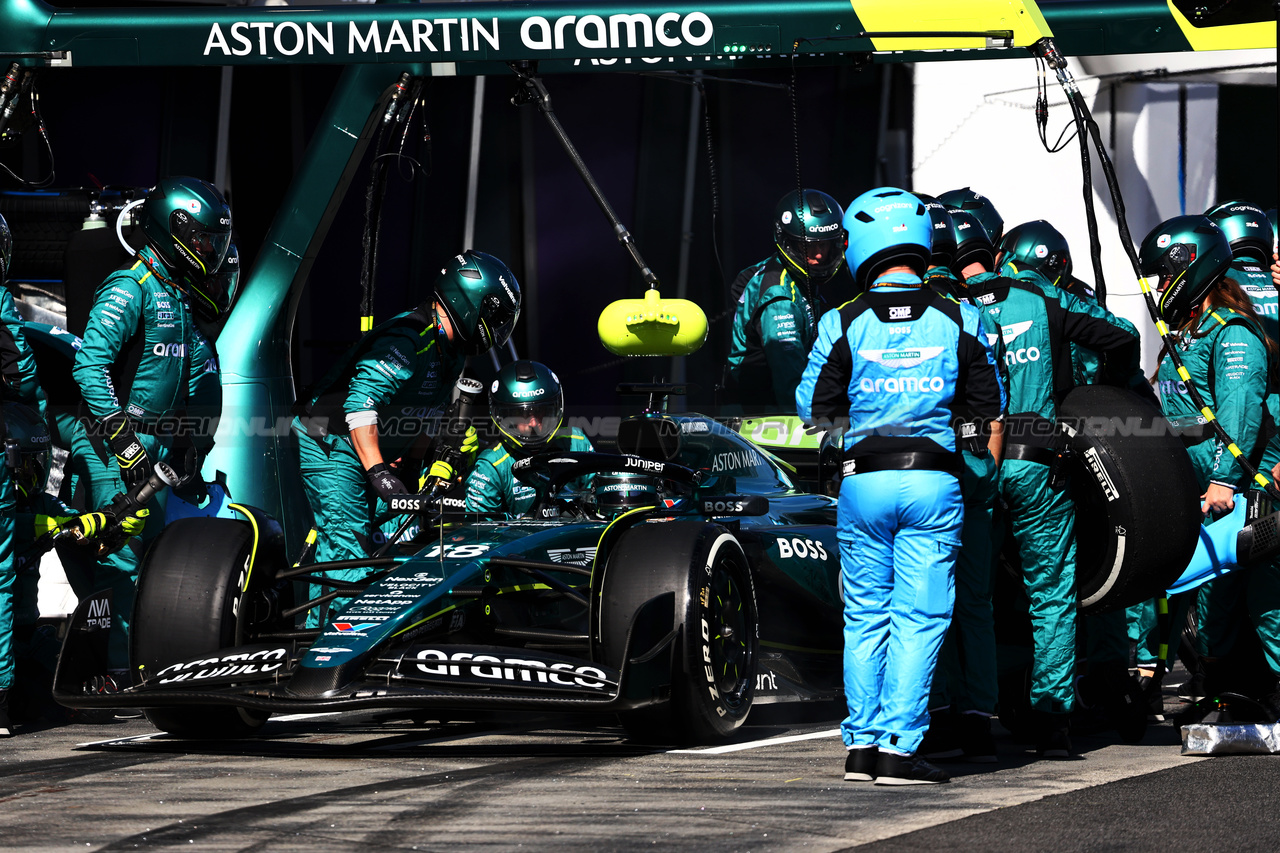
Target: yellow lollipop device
{"x":652,"y":326}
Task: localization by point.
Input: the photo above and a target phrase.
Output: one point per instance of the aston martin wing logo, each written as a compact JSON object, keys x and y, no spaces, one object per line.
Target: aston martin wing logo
{"x":572,"y":556}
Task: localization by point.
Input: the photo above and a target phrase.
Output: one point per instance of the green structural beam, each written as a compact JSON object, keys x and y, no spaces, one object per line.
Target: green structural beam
{"x":462,"y":38}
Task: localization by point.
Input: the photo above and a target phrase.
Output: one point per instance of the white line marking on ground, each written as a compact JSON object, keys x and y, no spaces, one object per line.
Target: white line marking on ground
{"x":121,"y":740}
{"x":753,"y":744}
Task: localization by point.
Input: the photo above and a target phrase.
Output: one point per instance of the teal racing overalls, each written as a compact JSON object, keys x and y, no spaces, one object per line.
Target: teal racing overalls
{"x":399,"y":376}
{"x":1227,"y":361}
{"x":774,"y":327}
{"x":135,"y":358}
{"x":492,"y":489}
{"x":1036,"y":324}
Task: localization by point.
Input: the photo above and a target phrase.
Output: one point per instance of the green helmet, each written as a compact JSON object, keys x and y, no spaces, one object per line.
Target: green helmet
{"x":1189,"y":255}
{"x":973,"y":245}
{"x":1275,"y":226}
{"x":944,"y":238}
{"x":810,"y":237}
{"x":481,"y":298}
{"x":27,"y":447}
{"x":1247,"y":228}
{"x":212,"y":297}
{"x":980,"y":206}
{"x":1038,"y":246}
{"x":6,"y":250}
{"x":188,"y":225}
{"x":526,"y":404}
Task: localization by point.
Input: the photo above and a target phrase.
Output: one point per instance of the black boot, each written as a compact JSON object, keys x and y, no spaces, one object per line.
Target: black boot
{"x":6,"y":730}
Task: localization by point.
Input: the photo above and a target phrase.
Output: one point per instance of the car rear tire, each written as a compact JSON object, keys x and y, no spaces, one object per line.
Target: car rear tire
{"x":713,"y":674}
{"x":1137,"y":512}
{"x":188,"y":588}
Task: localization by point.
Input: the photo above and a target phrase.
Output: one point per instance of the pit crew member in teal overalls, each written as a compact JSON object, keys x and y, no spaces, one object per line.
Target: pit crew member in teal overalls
{"x":776,"y":303}
{"x":364,"y":427}
{"x":14,"y":383}
{"x":896,"y":368}
{"x":526,"y":406}
{"x":1036,"y":324}
{"x":1228,"y":358}
{"x":135,"y":370}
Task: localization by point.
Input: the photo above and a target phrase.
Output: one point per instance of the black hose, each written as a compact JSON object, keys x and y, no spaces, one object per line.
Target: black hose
{"x":1046,"y":49}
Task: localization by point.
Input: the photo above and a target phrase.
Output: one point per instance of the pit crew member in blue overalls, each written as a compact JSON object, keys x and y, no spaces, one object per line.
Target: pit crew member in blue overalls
{"x":526,"y":406}
{"x":964,"y":692}
{"x":897,"y":368}
{"x":1228,"y":359}
{"x":375,"y":407}
{"x":776,"y":302}
{"x":135,"y":371}
{"x":1036,"y":325}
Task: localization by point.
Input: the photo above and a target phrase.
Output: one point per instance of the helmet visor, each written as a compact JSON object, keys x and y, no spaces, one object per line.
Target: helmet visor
{"x":203,"y":249}
{"x":529,"y":424}
{"x":215,"y":293}
{"x":497,"y":318}
{"x":820,"y":258}
{"x":32,"y":469}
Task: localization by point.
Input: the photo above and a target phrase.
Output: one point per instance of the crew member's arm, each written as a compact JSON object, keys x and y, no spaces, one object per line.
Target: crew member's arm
{"x":485,"y":490}
{"x":115,"y":318}
{"x":781,"y":324}
{"x":26,"y":389}
{"x":1240,"y":369}
{"x":979,"y":390}
{"x":822,"y":397}
{"x":380,"y":373}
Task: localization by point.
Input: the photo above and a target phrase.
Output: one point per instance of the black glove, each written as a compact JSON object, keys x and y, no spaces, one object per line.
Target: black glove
{"x":386,"y":484}
{"x":130,"y":455}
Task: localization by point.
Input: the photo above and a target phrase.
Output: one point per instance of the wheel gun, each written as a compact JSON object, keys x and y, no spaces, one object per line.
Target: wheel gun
{"x":129,"y":503}
{"x":454,"y":430}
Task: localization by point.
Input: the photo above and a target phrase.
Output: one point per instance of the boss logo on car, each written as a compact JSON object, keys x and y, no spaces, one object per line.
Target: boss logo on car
{"x":490,"y":667}
{"x":803,"y":548}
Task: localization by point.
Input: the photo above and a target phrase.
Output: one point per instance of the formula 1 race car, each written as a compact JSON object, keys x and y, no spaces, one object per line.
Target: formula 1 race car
{"x":689,"y":582}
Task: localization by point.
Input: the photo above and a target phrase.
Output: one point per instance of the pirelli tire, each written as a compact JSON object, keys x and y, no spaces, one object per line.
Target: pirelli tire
{"x":1137,"y":506}
{"x":702,"y":570}
{"x":188,"y":587}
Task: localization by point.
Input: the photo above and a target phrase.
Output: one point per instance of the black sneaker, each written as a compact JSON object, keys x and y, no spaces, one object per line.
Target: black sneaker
{"x":894,"y":769}
{"x":1055,"y":743}
{"x":6,"y":730}
{"x":942,"y":740}
{"x":1192,"y":689}
{"x":860,"y":764}
{"x":975,"y":738}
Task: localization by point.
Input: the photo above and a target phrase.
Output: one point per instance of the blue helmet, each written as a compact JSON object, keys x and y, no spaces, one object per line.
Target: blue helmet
{"x":887,"y":227}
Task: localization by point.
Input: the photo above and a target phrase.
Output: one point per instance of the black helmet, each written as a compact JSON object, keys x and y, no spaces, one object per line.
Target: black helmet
{"x":810,"y":236}
{"x":27,"y":447}
{"x":1247,"y":228}
{"x":188,"y":225}
{"x":481,"y":298}
{"x":618,"y":493}
{"x":944,"y":240}
{"x":6,"y":250}
{"x":526,"y":404}
{"x":980,"y":206}
{"x":212,"y":297}
{"x":1189,"y":255}
{"x":973,"y":245}
{"x":1038,"y":246}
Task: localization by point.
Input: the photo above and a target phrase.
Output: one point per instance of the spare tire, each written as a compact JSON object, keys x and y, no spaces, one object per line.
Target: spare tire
{"x":1137,"y":504}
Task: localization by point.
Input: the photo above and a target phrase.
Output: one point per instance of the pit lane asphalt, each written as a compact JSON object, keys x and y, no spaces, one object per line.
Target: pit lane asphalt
{"x":371,"y":781}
